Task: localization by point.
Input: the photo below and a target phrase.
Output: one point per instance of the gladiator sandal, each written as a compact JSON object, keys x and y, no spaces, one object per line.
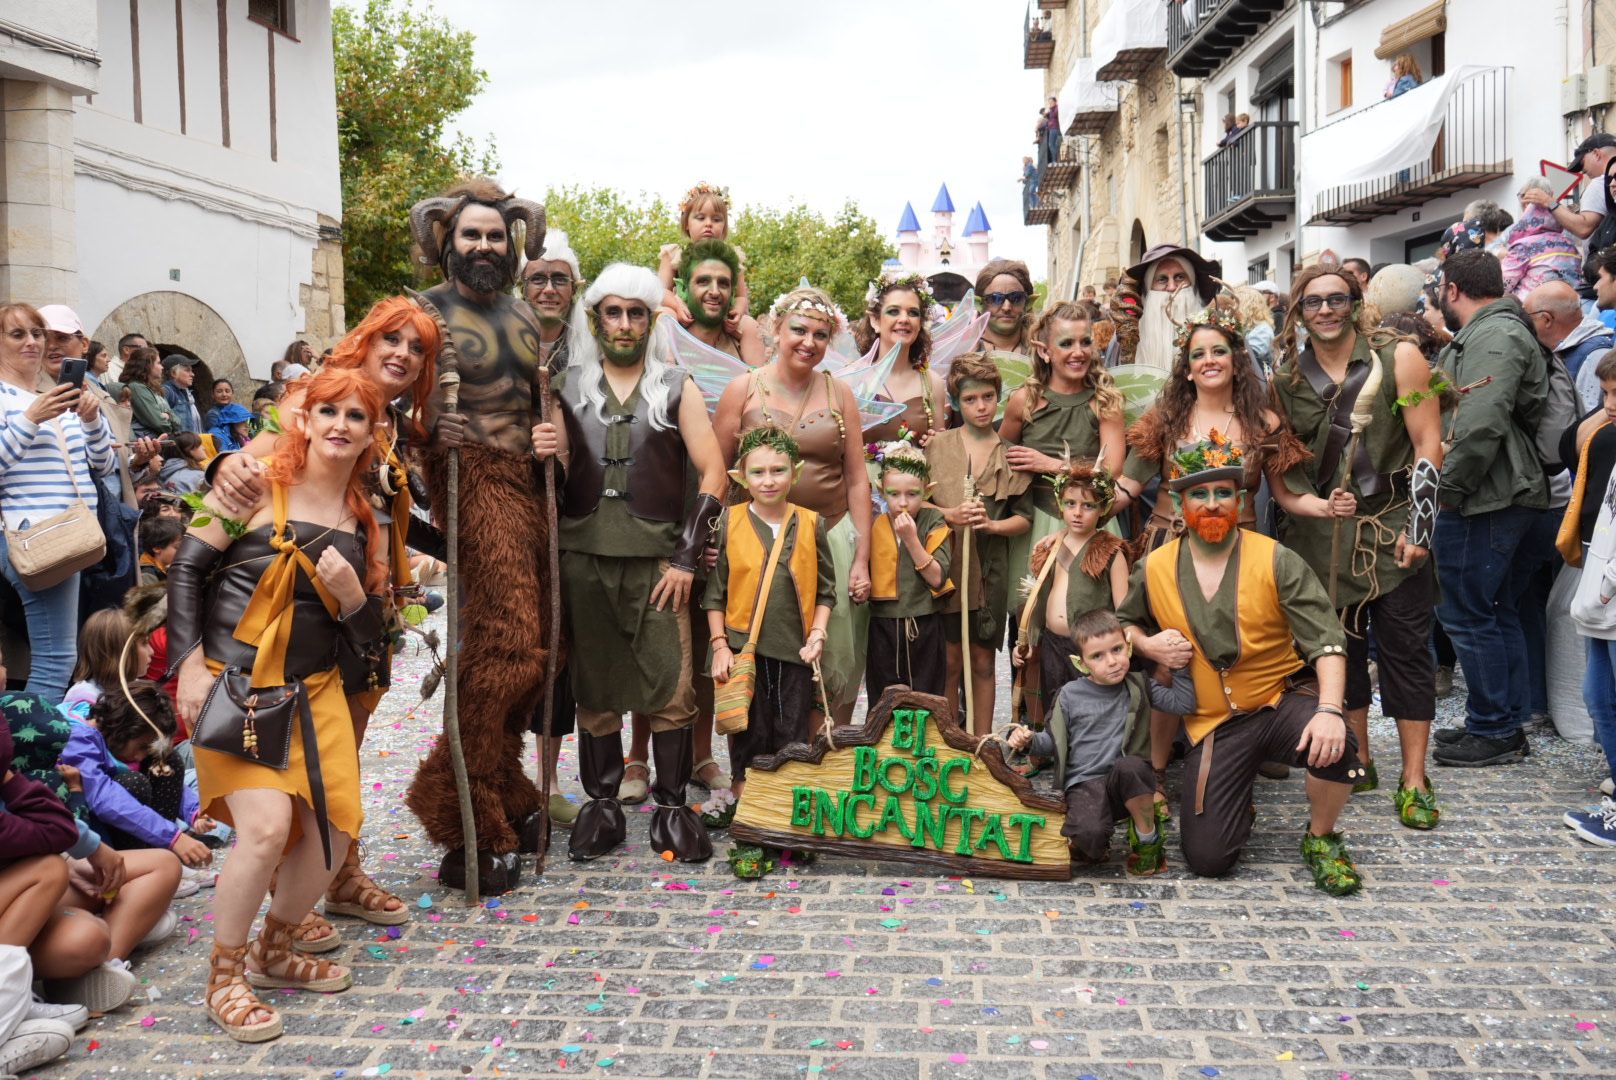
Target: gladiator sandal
{"x":1416,"y":807}
{"x":1145,"y":860}
{"x":291,"y":970}
{"x":1370,"y":782}
{"x":353,"y":893}
{"x":230,"y":1001}
{"x":315,"y":935}
{"x":1333,"y":872}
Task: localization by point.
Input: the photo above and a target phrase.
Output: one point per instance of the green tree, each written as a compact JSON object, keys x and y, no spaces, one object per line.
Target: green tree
{"x":841,"y":255}
{"x":401,"y":75}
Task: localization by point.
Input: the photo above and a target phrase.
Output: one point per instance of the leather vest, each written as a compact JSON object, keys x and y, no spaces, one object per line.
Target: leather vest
{"x":655,"y":487}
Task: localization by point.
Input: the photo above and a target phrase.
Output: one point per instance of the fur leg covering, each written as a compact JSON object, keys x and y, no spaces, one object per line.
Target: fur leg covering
{"x":503,"y":613}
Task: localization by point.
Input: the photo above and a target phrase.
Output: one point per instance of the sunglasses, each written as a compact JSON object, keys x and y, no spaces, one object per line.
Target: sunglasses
{"x":1337,"y":301}
{"x":1015,"y":299}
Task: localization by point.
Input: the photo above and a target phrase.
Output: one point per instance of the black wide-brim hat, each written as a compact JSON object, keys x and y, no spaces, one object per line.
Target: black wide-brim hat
{"x":1205,"y":269}
{"x":1237,"y":473}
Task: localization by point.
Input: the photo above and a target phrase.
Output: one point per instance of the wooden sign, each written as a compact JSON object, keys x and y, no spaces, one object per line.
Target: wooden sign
{"x":908,"y":785}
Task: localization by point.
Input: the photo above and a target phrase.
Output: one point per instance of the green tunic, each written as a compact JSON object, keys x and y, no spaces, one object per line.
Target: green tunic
{"x":1362,"y":575}
{"x":1003,"y":493}
{"x":781,"y":636}
{"x":1062,"y":421}
{"x":1302,"y":600}
{"x":914,"y":595}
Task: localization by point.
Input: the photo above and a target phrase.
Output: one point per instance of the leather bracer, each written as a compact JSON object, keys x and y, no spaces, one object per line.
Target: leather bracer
{"x":187,"y":581}
{"x":1422,"y":492}
{"x":700,"y":521}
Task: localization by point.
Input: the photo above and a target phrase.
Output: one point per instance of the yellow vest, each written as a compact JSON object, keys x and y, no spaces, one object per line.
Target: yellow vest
{"x":1267,"y":655}
{"x":747,"y":557}
{"x":884,"y":559}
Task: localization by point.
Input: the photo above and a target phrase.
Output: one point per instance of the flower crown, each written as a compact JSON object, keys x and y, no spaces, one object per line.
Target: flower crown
{"x":912,"y":282}
{"x":1215,"y":451}
{"x":1099,"y":479}
{"x":807,"y":304}
{"x":900,"y":454}
{"x":1214,"y":315}
{"x":700,"y":190}
{"x":770,"y":436}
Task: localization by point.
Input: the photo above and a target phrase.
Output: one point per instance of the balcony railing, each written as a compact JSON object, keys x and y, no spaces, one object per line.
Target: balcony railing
{"x":1038,"y":40}
{"x":1471,"y":149}
{"x":1062,"y":173}
{"x":1041,"y":211}
{"x":1251,"y":183}
{"x":1203,"y":34}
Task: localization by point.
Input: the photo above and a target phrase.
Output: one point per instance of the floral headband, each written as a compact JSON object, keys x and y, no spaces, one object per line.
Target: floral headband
{"x":784,"y":305}
{"x":900,"y":454}
{"x":700,"y":190}
{"x":912,"y":282}
{"x":1214,"y":315}
{"x":771,"y":437}
{"x":1216,"y":451}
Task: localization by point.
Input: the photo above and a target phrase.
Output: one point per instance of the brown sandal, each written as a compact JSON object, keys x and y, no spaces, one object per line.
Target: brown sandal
{"x":353,"y":893}
{"x":273,"y":949}
{"x":230,"y":1000}
{"x":315,"y":935}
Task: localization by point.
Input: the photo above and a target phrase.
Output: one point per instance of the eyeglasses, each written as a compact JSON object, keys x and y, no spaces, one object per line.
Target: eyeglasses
{"x":1015,"y":299}
{"x":1337,"y":301}
{"x":555,"y":281}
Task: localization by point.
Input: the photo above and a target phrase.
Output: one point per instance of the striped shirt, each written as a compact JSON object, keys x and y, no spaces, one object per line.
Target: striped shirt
{"x":34,"y":483}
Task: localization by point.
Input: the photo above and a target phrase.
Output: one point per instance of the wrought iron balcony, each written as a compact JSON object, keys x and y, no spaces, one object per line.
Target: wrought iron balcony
{"x":1203,"y":34}
{"x":1251,"y":182}
{"x":1044,"y":211}
{"x":1471,"y":149}
{"x":1062,"y":173}
{"x":1038,"y":40}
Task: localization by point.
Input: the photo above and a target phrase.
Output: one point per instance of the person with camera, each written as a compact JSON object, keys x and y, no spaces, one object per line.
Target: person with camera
{"x":53,"y":444}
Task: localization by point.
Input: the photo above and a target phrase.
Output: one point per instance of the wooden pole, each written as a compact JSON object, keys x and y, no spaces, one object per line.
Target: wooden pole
{"x":553,"y":643}
{"x":965,"y":600}
{"x":449,"y":380}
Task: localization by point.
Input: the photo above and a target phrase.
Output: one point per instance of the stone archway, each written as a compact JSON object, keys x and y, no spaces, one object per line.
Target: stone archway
{"x":184,"y":324}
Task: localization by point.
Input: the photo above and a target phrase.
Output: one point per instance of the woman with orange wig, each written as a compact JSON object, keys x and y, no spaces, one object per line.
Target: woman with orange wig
{"x":273,"y":595}
{"x":395,"y":348}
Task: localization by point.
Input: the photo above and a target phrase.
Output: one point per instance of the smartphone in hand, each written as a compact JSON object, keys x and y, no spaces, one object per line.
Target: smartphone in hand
{"x":73,"y":369}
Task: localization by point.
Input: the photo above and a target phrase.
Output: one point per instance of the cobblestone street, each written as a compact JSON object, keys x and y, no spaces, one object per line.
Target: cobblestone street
{"x":1484,"y":949}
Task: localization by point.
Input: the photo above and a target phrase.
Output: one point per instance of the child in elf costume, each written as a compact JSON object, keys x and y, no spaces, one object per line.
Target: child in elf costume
{"x":786,"y":625}
{"x":909,"y":560}
{"x":972,"y":458}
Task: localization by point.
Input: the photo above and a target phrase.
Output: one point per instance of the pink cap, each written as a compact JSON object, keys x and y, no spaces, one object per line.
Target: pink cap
{"x":61,"y":318}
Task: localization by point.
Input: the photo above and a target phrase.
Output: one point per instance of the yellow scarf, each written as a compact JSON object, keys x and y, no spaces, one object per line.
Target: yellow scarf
{"x":267,"y":622}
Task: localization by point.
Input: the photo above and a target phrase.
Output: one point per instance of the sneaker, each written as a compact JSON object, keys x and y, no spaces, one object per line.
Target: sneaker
{"x":1478,"y":751}
{"x":1595,"y":826}
{"x":432,"y":601}
{"x":160,"y":931}
{"x":206,"y":877}
{"x":74,"y":1016}
{"x":1448,"y":735}
{"x":1607,"y":786}
{"x":184,"y":888}
{"x":1444,"y":681}
{"x":100,"y":990}
{"x":34,"y":1043}
{"x":1539,"y":724}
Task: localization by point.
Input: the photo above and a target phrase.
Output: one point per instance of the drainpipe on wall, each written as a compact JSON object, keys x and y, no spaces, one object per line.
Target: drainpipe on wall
{"x":1183,"y":203}
{"x":1304,"y":74}
{"x":1088,"y":223}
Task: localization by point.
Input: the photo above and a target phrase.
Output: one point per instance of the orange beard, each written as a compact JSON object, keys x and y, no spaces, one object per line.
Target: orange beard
{"x":1210,"y":525}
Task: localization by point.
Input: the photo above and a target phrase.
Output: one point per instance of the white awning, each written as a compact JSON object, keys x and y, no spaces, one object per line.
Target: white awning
{"x":1129,"y":24}
{"x":1082,"y":94}
{"x":1379,"y":140}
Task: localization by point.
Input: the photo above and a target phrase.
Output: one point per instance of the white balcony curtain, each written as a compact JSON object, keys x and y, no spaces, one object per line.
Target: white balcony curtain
{"x":1384,"y":138}
{"x":1129,"y":24}
{"x":1082,"y":94}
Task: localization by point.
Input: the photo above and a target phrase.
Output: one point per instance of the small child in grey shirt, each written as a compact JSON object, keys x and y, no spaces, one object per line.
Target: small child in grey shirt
{"x":1097,"y":735}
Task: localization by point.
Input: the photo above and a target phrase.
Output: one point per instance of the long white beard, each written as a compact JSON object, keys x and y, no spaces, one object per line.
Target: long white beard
{"x":1158,"y":328}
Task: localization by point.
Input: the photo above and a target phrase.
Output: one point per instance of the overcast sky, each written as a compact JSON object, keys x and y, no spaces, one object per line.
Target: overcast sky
{"x":875,"y":100}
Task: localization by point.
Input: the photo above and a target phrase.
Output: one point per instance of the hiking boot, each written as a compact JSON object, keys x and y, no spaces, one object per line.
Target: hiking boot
{"x":1478,"y":751}
{"x":1333,"y":872}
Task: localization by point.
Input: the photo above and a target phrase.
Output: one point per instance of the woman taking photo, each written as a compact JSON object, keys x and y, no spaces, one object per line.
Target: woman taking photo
{"x":305,"y":575}
{"x":821,"y":414}
{"x":52,"y":446}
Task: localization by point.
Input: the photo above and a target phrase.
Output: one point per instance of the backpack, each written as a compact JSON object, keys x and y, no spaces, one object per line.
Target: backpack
{"x":1560,"y":403}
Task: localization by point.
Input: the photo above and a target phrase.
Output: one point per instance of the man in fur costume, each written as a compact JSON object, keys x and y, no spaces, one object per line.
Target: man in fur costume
{"x":631,"y":424}
{"x":470,"y":233}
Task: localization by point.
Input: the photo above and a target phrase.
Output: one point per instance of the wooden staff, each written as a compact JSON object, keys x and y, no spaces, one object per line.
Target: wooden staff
{"x":554,"y":642}
{"x":965,"y":598}
{"x":449,"y":381}
{"x":1363,"y":414}
{"x":1024,"y":632}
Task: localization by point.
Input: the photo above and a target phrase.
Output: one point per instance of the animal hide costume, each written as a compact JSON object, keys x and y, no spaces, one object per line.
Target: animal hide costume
{"x":503,"y":595}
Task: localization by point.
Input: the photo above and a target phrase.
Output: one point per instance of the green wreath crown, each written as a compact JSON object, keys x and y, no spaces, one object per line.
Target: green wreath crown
{"x":772,"y":437}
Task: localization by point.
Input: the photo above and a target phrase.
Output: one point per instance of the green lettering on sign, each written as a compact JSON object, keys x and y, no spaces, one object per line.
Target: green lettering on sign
{"x":850,"y":816}
{"x":931,"y":826}
{"x":1025,"y":822}
{"x":864,"y":768}
{"x":959,"y":764}
{"x":802,"y":806}
{"x":993,"y":832}
{"x":892,"y":814}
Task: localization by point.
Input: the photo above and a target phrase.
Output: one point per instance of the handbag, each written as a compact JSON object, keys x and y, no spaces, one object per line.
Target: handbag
{"x":732,"y":698}
{"x":49,"y":552}
{"x":1568,"y":541}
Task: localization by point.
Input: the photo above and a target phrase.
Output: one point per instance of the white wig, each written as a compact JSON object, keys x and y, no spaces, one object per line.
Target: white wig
{"x":630,"y":283}
{"x":556,"y":249}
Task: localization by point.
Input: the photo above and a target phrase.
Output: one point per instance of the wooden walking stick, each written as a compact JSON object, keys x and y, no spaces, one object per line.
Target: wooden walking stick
{"x":965,"y":599}
{"x":553,"y":644}
{"x":1029,"y":666}
{"x":1363,"y":414}
{"x":449,"y":381}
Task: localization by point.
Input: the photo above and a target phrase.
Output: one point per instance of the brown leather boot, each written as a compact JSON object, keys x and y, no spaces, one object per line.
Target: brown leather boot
{"x":674,"y":826}
{"x":600,"y":826}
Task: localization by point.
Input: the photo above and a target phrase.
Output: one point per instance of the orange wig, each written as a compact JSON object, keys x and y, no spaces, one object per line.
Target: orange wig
{"x":333,"y":385}
{"x":389,"y":315}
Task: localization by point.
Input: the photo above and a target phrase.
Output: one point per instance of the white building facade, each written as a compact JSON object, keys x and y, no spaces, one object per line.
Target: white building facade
{"x":171,"y":168}
{"x":1331,"y":165}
